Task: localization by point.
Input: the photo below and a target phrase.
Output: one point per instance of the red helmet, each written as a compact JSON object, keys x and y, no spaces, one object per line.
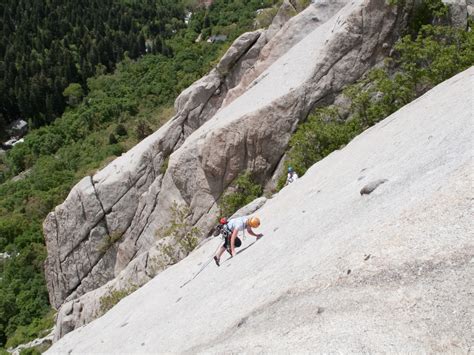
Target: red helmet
{"x":223,"y":220}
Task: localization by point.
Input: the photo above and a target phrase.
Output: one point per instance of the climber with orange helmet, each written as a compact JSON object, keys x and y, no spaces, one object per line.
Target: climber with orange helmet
{"x":233,"y":227}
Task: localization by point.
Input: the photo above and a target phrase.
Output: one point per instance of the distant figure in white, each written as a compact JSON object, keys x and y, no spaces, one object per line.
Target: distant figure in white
{"x":292,"y":176}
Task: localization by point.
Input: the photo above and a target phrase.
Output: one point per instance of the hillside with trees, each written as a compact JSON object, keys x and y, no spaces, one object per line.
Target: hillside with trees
{"x":48,"y":45}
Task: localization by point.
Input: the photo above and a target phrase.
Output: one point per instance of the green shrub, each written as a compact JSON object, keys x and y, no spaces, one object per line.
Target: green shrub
{"x":108,"y":241}
{"x":30,"y":351}
{"x":184,"y":237}
{"x":321,"y":134}
{"x":113,"y":297}
{"x":436,"y":54}
{"x":164,"y":166}
{"x":423,"y":13}
{"x":40,"y":327}
{"x":243,"y":191}
{"x":120,"y":130}
{"x":143,"y":129}
{"x":378,"y":95}
{"x":112,"y":139}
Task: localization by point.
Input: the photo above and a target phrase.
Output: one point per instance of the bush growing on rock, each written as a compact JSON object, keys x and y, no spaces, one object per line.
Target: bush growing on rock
{"x":180,"y":235}
{"x":113,"y":297}
{"x":243,"y":191}
{"x":322,"y":133}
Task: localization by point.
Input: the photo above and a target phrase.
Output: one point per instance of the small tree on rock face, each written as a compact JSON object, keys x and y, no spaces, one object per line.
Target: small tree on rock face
{"x":183,"y":236}
{"x":245,"y":190}
{"x":120,"y":130}
{"x":112,"y":139}
{"x":143,"y":130}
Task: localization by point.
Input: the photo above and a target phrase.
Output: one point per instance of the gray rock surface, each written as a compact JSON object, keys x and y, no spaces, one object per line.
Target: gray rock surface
{"x":251,"y":208}
{"x":276,"y":43}
{"x":308,"y":285}
{"x":458,"y":12}
{"x":252,"y":132}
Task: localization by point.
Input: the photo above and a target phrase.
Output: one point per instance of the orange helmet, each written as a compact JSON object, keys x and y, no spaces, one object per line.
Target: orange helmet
{"x":253,"y":222}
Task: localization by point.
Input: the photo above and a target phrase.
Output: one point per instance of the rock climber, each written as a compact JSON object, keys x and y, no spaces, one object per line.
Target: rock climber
{"x":232,"y":229}
{"x":292,"y":176}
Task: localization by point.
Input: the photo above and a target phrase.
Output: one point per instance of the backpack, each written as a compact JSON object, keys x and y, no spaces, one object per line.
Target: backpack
{"x":223,"y":230}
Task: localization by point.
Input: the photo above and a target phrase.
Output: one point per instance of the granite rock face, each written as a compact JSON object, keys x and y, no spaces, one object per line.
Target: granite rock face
{"x":111,"y":219}
{"x":459,"y":12}
{"x":387,"y":273}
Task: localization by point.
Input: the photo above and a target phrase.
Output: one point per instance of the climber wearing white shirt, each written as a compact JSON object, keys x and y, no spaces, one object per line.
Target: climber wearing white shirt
{"x":233,"y":227}
{"x":292,"y":176}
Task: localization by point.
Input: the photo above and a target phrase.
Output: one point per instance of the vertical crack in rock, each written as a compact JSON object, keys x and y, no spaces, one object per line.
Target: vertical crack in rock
{"x":59,"y":278}
{"x":79,"y":284}
{"x":147,"y":258}
{"x":101,"y":206}
{"x":79,"y":245}
{"x":83,"y":210}
{"x":147,"y":219}
{"x":57,"y":241}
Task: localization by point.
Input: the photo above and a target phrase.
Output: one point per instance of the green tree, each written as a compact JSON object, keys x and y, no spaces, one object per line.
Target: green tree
{"x":243,"y":191}
{"x":74,"y":94}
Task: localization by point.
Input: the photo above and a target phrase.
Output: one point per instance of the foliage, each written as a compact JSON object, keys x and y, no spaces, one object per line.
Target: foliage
{"x":243,"y":191}
{"x":164,"y":166}
{"x":40,"y":327}
{"x":423,"y":13}
{"x":74,"y":94}
{"x":265,"y":17}
{"x":108,"y":241}
{"x":229,"y":17}
{"x":112,"y":139}
{"x":379,"y":95}
{"x":436,"y":54}
{"x":182,"y":236}
{"x":143,"y":130}
{"x":23,"y":296}
{"x":30,"y":351}
{"x":322,"y":133}
{"x":46,"y":45}
{"x":120,"y":130}
{"x":113,"y":297}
